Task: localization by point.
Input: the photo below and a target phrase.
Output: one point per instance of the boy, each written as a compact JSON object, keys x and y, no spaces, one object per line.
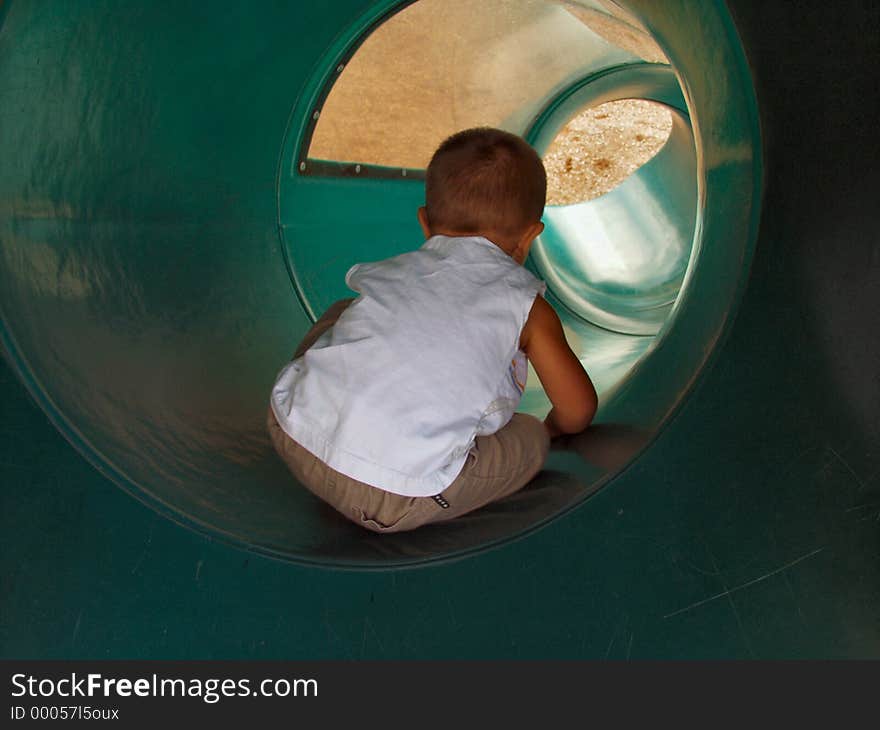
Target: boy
{"x":398,"y":408}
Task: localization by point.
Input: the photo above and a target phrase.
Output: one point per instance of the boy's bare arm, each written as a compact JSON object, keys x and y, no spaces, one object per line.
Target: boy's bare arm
{"x":564,"y":379}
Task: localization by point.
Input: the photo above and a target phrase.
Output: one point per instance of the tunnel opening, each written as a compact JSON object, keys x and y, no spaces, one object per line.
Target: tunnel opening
{"x":617,"y":259}
{"x":617,"y":243}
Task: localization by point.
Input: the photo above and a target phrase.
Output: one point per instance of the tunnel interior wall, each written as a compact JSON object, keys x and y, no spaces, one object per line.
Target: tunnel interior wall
{"x":748,"y":529}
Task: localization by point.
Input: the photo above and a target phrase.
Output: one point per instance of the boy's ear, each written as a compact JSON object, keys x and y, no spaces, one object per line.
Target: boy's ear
{"x":423,"y":221}
{"x":525,"y":242}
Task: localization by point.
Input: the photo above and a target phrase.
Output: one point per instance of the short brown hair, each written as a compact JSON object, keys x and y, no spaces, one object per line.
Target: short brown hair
{"x":485,"y":179}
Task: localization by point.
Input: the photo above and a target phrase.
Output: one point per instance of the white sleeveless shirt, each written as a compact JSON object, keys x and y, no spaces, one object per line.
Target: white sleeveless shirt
{"x":423,"y":361}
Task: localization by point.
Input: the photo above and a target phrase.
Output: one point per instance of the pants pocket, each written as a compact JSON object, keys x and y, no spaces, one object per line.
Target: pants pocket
{"x":373,"y":524}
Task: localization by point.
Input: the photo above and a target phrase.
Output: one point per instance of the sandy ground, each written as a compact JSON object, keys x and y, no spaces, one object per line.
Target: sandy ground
{"x":601,"y":147}
{"x":444,"y":65}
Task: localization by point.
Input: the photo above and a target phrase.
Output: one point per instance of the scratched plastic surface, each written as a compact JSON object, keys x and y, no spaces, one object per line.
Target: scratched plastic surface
{"x":146,"y":305}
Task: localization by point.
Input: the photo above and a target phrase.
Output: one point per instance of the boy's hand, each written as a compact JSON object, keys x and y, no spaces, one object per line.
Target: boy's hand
{"x":564,"y":379}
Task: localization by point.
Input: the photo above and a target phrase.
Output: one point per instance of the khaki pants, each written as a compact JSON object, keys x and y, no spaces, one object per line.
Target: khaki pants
{"x":497,"y":466}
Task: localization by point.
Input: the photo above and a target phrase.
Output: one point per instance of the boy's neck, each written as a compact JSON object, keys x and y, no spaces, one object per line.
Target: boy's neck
{"x":505,"y":246}
{"x":517,"y":246}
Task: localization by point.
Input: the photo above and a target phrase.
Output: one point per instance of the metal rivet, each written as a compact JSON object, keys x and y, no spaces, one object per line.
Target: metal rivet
{"x":316,"y":114}
{"x":357,"y":169}
{"x":339,"y":68}
{"x":403,"y":172}
{"x":302,"y":166}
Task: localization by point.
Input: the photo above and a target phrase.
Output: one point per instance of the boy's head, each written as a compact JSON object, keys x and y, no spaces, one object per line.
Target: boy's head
{"x":485,"y":182}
